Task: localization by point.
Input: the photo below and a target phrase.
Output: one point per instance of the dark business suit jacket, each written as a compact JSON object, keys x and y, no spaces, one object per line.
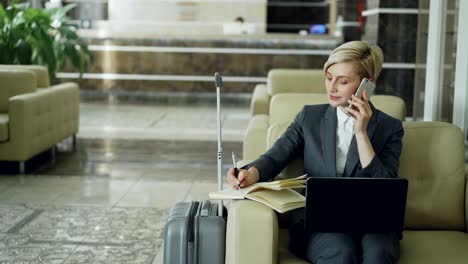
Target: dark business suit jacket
{"x":312,"y":136}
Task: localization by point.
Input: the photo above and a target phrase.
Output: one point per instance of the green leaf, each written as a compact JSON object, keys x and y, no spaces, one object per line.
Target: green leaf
{"x":61,"y":11}
{"x":2,"y":12}
{"x":14,"y":2}
{"x":5,"y":55}
{"x":24,"y":53}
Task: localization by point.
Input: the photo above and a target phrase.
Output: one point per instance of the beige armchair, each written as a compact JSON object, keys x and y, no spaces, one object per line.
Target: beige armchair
{"x":283,"y":108}
{"x":285,"y":81}
{"x":33,"y":120}
{"x":436,"y":219}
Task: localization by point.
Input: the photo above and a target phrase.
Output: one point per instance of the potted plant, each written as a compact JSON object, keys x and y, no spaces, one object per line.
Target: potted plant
{"x":45,"y":37}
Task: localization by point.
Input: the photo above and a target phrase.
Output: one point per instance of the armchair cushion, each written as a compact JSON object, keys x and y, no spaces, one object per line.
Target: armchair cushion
{"x":432,"y":159}
{"x":14,"y":82}
{"x":296,"y":166}
{"x":254,"y":138}
{"x":422,"y":247}
{"x":295,"y":81}
{"x":3,"y":127}
{"x":284,"y":107}
{"x":391,"y":105}
{"x":260,"y":100}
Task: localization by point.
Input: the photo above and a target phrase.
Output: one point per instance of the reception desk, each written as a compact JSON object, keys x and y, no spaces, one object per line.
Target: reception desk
{"x":186,"y":63}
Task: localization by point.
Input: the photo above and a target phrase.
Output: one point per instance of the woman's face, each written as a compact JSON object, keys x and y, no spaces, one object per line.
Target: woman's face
{"x":342,"y":81}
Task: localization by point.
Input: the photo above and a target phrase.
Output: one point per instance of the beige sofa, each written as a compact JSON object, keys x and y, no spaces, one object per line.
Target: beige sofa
{"x":436,"y":220}
{"x":255,"y":137}
{"x":41,"y":73}
{"x":285,"y":81}
{"x":34,"y":116}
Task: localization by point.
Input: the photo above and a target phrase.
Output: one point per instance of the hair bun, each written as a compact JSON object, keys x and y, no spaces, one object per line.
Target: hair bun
{"x":366,"y":53}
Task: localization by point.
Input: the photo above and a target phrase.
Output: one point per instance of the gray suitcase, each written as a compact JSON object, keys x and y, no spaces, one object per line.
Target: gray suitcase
{"x":195,"y":232}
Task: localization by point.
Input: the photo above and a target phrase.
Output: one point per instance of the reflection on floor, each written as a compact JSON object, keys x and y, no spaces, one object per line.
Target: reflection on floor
{"x":108,"y":201}
{"x":161,"y":122}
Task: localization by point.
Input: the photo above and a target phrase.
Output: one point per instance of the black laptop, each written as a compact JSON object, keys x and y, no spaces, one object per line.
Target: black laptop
{"x":355,"y":205}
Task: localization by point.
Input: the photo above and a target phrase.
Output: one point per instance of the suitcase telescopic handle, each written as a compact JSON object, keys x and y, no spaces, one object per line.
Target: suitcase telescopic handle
{"x":219,"y":85}
{"x":218,"y":80}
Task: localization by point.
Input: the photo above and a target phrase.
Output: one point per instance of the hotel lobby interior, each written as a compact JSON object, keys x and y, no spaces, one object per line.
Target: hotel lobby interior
{"x":144,"y":116}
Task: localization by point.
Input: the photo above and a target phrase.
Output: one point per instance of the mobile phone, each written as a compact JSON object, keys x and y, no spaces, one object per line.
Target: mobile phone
{"x":366,"y":85}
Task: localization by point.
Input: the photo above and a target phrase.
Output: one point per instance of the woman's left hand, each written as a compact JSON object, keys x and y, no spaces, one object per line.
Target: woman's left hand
{"x":361,"y":112}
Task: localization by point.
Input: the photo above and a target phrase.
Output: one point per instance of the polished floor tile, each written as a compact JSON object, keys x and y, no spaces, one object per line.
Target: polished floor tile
{"x":125,"y":235}
{"x":64,"y":223}
{"x":107,"y":202}
{"x":20,"y":248}
{"x":102,"y":192}
{"x":102,"y":254}
{"x":12,"y":215}
{"x":161,"y":122}
{"x":124,"y":225}
{"x":198,"y":190}
{"x":156,"y":194}
{"x":26,"y":194}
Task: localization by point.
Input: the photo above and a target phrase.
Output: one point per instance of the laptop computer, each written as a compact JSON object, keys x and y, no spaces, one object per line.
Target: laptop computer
{"x":355,"y":205}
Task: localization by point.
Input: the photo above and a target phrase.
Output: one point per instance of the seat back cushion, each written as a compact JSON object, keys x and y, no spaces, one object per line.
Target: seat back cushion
{"x":432,"y":160}
{"x":295,"y":81}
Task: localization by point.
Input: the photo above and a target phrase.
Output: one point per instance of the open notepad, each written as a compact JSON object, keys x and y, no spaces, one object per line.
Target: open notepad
{"x":275,"y":194}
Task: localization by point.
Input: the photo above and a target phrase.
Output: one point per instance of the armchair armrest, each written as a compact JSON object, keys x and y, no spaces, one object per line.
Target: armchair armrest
{"x":466,"y":198}
{"x":255,"y":137}
{"x":252,"y":233}
{"x":260,"y":104}
{"x":242,"y":163}
{"x":68,"y":107}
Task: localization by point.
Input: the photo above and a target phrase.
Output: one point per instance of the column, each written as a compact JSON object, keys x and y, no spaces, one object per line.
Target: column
{"x":460,"y":108}
{"x":435,"y":60}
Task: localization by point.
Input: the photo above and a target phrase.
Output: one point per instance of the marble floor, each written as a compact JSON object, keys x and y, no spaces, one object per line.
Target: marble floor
{"x":196,"y":123}
{"x":107,"y":202}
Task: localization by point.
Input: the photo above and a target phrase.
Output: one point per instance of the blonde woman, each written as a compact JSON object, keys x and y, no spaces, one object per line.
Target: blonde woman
{"x":325,"y":136}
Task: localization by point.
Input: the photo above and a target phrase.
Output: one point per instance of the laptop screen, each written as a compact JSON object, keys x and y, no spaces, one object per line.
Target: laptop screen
{"x":355,"y":205}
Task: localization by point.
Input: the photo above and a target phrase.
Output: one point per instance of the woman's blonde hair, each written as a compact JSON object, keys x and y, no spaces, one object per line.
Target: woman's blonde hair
{"x":368,"y":58}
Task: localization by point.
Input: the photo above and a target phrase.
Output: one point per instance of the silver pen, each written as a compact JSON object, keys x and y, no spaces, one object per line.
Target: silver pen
{"x":236,"y":170}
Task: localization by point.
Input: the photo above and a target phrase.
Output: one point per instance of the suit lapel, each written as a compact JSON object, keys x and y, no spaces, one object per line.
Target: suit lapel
{"x":352,"y":157}
{"x":328,"y":137}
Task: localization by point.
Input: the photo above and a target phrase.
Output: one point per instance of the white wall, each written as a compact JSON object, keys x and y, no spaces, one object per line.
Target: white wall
{"x":195,"y":16}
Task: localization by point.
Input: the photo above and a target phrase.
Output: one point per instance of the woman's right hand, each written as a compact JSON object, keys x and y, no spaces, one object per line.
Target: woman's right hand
{"x":244,"y":179}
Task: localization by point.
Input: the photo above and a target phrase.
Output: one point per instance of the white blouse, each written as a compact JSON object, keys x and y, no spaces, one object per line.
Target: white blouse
{"x":344,"y":134}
